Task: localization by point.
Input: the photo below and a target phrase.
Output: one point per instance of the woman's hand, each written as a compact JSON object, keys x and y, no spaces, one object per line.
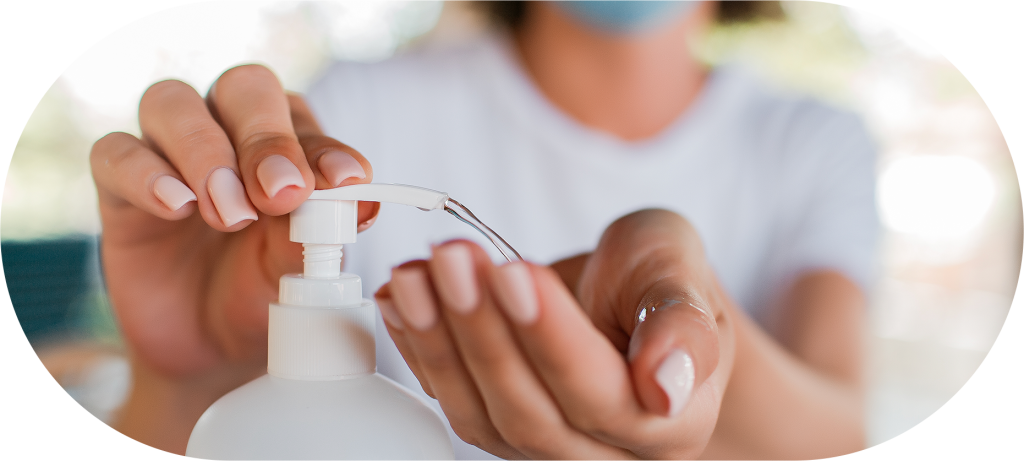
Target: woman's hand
{"x":636,"y":368}
{"x":190,"y":289}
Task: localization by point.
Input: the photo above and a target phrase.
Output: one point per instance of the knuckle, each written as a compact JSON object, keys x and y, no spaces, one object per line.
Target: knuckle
{"x":295,"y":100}
{"x":526,"y":442}
{"x":440,"y":362}
{"x":196,"y":134}
{"x":112,"y":148}
{"x":165,"y":89}
{"x":477,"y":430}
{"x":247,"y":72}
{"x":107,"y":145}
{"x":495,"y":361}
{"x":470,"y":432}
{"x":594,"y":421}
{"x":314,"y":144}
{"x":267,"y":140}
{"x":427,"y":389}
{"x":534,"y":437}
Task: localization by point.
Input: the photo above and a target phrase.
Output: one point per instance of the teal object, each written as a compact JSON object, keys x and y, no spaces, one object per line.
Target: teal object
{"x":624,"y":17}
{"x":48,"y":281}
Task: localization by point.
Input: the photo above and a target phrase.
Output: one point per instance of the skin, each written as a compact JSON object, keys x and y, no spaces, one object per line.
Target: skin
{"x":576,"y":381}
{"x":561,"y":386}
{"x":631,"y":86}
{"x":189,"y":293}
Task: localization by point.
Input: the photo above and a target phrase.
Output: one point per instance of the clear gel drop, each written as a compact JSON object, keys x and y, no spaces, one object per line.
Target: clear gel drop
{"x":463,"y":214}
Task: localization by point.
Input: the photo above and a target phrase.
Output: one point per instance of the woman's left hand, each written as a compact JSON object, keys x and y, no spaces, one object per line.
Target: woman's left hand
{"x":634,"y":365}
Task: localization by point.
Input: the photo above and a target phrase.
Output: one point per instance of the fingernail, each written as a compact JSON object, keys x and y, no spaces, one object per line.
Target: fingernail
{"x":228,"y":197}
{"x":172,"y":192}
{"x":675,"y":375}
{"x":338,"y":166}
{"x":366,"y":224}
{"x":516,"y":291}
{"x":414,"y":299}
{"x":456,"y":277}
{"x":387,"y":310}
{"x":276,"y":173}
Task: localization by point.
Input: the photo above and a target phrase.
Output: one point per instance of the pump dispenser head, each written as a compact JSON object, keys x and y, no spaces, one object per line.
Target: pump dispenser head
{"x":329,"y":216}
{"x":328,"y":219}
{"x":322,"y":328}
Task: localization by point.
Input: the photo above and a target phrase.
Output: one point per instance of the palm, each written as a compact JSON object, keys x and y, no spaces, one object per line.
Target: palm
{"x":189,"y":298}
{"x":523,"y":368}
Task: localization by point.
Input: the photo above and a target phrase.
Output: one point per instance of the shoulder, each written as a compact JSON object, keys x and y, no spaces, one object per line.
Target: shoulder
{"x":793,"y":126}
{"x":796,"y":136}
{"x":815,"y":162}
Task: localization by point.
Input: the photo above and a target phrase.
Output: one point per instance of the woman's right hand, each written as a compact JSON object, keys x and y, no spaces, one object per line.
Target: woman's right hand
{"x":195,"y":236}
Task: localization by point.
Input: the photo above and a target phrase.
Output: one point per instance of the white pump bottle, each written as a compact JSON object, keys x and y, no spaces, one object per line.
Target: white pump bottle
{"x":322,"y":397}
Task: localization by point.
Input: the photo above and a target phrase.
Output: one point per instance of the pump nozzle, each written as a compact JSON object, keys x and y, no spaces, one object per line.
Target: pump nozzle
{"x":419,"y":197}
{"x":329,"y":216}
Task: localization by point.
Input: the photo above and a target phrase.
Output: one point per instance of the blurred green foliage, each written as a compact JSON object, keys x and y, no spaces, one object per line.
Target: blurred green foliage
{"x":812,"y":50}
{"x":49,"y":189}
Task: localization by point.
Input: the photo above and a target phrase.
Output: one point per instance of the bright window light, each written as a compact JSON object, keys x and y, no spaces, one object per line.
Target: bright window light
{"x":196,"y":43}
{"x":935,"y":197}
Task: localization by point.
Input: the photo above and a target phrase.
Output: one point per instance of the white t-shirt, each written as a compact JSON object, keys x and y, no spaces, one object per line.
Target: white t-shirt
{"x":775,"y":184}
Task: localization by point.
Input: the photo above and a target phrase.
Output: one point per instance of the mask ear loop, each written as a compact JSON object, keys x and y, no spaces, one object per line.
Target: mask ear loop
{"x":463,"y":214}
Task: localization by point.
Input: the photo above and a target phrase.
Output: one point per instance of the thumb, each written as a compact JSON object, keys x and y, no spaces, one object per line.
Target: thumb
{"x":673,"y":349}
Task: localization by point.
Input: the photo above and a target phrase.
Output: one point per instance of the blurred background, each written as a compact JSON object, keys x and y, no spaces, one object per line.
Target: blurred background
{"x":947,"y":192}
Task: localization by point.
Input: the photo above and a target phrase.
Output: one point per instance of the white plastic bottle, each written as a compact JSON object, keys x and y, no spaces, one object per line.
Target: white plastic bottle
{"x":322,"y":397}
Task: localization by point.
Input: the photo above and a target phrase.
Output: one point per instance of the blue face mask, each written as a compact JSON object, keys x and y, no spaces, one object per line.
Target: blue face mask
{"x":626,"y":17}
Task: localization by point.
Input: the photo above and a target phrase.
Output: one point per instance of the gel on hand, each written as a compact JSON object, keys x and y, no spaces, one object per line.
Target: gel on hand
{"x":322,"y":397}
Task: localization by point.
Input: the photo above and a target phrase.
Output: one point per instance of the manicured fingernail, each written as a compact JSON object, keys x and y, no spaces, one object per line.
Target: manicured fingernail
{"x":228,"y":197}
{"x":366,"y":224}
{"x":675,"y":375}
{"x":456,"y":277}
{"x":516,"y":291}
{"x":276,"y":173}
{"x":338,"y":166}
{"x":387,"y":310}
{"x":172,"y":192}
{"x":413,"y":298}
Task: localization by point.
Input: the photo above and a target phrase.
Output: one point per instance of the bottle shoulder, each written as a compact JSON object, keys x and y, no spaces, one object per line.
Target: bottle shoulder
{"x":364,"y":417}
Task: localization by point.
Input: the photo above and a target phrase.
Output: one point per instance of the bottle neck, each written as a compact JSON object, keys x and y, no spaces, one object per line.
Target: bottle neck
{"x":321,"y":329}
{"x":321,"y":261}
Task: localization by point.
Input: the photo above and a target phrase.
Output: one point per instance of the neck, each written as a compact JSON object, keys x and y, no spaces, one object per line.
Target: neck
{"x":630,"y":86}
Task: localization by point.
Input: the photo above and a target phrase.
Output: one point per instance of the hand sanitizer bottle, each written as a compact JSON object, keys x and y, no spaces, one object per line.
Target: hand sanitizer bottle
{"x":322,"y":397}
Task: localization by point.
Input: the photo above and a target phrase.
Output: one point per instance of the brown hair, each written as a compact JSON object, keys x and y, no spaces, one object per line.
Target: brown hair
{"x":510,"y":13}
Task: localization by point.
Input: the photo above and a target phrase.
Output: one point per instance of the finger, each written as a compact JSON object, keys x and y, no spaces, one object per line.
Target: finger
{"x":569,"y":269}
{"x":651,"y":262}
{"x":252,"y":107}
{"x":568,"y":352}
{"x":129,"y":172}
{"x":335,"y":164}
{"x":673,"y":349}
{"x":519,"y":405}
{"x":439,"y":361}
{"x":175,"y":120}
{"x":396,"y":329}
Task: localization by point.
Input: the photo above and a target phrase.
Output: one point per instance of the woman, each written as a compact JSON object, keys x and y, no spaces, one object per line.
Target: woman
{"x":734,"y":332}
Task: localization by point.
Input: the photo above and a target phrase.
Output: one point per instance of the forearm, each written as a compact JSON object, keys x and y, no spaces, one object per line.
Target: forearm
{"x":777,"y":406}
